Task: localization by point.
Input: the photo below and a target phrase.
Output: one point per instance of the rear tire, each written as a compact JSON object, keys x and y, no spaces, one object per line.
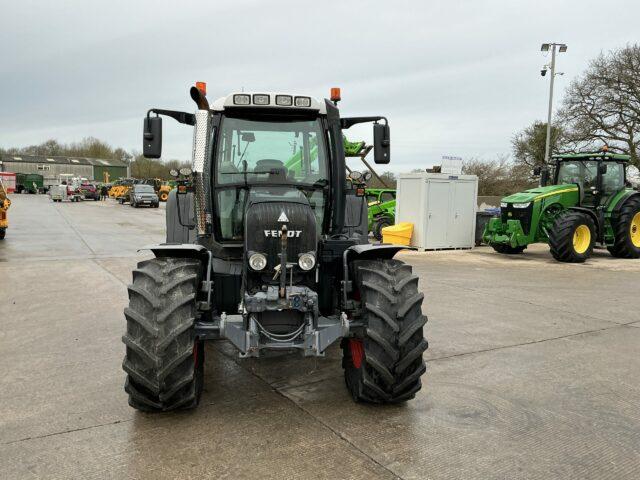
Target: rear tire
{"x":626,"y":227}
{"x":3,"y":233}
{"x":385,"y":363}
{"x":164,"y":360}
{"x":572,"y":237}
{"x":164,"y":196}
{"x":507,"y":249}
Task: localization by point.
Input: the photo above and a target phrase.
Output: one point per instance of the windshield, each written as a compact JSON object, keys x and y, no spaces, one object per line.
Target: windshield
{"x":267,"y":153}
{"x":144,"y":189}
{"x":584,"y":173}
{"x":274,"y":152}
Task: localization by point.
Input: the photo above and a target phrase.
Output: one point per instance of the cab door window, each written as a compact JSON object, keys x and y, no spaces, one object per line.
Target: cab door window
{"x":613,"y":180}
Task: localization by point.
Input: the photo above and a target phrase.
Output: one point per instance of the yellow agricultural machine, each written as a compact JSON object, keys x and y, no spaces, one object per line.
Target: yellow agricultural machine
{"x":5,"y":203}
{"x":121,"y":188}
{"x":161,"y":187}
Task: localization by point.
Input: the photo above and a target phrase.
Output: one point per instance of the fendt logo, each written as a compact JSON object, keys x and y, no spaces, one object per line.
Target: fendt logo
{"x":278,"y":233}
{"x":283,"y":217}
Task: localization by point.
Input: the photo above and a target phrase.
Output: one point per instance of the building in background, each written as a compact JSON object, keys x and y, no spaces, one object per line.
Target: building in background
{"x":94,"y":169}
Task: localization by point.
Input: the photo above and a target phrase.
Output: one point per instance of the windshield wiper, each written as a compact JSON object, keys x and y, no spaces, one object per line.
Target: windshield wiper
{"x":274,"y":171}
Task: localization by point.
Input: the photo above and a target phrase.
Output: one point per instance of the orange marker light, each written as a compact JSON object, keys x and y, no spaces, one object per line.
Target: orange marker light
{"x":202,"y":86}
{"x":335,"y":94}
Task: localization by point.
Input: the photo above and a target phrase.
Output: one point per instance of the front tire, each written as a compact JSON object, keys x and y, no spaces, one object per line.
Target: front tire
{"x":164,"y":360}
{"x":572,"y":237}
{"x":507,"y":249}
{"x":626,"y":227}
{"x":3,"y":233}
{"x":384,"y":364}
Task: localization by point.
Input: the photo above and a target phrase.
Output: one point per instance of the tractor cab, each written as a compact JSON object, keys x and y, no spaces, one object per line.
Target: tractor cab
{"x":598,"y":176}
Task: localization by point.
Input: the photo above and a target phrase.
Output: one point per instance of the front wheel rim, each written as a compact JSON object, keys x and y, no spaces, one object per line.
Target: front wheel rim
{"x":634,"y":230}
{"x":581,"y":239}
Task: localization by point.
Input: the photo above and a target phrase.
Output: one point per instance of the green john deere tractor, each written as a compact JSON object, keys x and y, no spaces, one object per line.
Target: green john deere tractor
{"x":382,"y":209}
{"x":584,"y":199}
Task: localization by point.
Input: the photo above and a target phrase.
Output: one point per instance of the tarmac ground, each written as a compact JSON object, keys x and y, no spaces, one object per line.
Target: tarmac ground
{"x":532,"y":371}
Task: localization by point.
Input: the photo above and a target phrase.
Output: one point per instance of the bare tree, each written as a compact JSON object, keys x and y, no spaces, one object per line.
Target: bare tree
{"x":602,"y":107}
{"x":529,"y":144}
{"x":499,"y":177}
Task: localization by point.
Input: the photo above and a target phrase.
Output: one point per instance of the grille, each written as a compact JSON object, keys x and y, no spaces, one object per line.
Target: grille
{"x":522,"y":214}
{"x":262,"y":229}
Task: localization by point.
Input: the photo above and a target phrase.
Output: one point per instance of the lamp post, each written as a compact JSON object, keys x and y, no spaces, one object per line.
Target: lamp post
{"x":545,"y":48}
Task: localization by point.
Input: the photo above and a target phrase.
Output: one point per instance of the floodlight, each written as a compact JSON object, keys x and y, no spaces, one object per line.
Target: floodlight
{"x":563,"y":48}
{"x":545,"y":47}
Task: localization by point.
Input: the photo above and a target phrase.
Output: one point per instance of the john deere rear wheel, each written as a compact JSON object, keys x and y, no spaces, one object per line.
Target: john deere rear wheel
{"x":385,"y":364}
{"x":626,"y":226}
{"x":572,"y":237}
{"x":164,"y":361}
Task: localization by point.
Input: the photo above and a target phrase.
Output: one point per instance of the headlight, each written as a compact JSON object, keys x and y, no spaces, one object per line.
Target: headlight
{"x":173,"y":172}
{"x":521,"y":205}
{"x":503,"y":204}
{"x":257,"y":261}
{"x":186,"y":171}
{"x":307,"y":261}
{"x":284,"y":100}
{"x":241,"y":99}
{"x":303,"y":102}
{"x":260,"y":99}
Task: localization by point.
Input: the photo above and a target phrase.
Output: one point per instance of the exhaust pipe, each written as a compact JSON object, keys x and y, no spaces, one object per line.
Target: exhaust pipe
{"x":201,"y":146}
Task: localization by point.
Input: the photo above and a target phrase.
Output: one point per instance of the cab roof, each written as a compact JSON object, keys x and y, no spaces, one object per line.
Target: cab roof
{"x":271,"y":100}
{"x":606,"y":156}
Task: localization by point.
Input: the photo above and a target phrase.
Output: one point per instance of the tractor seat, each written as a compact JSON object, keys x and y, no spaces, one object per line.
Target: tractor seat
{"x":279,"y":171}
{"x":268,"y":164}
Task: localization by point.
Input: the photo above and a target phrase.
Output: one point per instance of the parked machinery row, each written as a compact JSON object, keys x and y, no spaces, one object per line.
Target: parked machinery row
{"x":136,"y":192}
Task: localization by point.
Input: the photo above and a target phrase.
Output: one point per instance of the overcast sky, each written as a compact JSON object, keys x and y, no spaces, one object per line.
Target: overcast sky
{"x":454,"y":78}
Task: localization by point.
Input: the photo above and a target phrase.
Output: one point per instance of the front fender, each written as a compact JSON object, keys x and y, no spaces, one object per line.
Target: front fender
{"x":191,"y":250}
{"x":366,"y":251}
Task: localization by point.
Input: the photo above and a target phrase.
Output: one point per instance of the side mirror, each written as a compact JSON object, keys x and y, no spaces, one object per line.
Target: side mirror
{"x":603,"y":168}
{"x":537,"y":170}
{"x":381,"y":143}
{"x":248,"y":137}
{"x":152,"y":137}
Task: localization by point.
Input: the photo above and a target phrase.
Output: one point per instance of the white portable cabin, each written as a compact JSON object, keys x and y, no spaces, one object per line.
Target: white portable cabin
{"x":441,"y":207}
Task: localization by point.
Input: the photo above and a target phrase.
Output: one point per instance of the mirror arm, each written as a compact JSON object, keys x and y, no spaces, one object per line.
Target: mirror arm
{"x":348,"y":122}
{"x":180,"y":117}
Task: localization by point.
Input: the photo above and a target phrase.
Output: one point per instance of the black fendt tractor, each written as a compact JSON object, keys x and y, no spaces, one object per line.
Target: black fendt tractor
{"x":267,"y":248}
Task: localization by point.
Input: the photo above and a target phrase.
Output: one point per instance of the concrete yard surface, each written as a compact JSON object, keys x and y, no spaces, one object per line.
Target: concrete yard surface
{"x":532,"y":371}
